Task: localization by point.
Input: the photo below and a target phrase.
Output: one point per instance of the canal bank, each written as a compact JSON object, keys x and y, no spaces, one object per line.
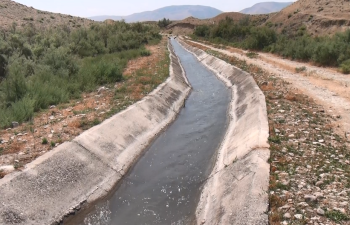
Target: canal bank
{"x":77,"y":173}
{"x":236,"y":191}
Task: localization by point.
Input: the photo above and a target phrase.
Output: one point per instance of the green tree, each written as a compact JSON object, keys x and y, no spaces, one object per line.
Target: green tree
{"x":164,"y":23}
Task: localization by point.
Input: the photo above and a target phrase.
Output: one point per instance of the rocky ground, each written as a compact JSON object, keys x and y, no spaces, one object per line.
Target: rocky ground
{"x":310,"y":158}
{"x":52,"y":127}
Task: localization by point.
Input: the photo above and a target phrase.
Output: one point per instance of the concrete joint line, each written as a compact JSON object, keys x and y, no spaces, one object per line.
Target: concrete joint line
{"x":96,"y":156}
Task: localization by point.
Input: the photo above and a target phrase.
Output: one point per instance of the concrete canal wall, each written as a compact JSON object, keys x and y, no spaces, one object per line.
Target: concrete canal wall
{"x":87,"y":168}
{"x":236,"y":192}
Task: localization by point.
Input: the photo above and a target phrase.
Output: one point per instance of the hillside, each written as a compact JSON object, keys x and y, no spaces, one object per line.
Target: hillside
{"x":11,"y":12}
{"x":266,"y":7}
{"x":171,"y":12}
{"x":320,"y":17}
{"x":188,"y":25}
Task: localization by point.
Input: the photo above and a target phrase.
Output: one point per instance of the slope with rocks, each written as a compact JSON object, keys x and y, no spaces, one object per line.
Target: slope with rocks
{"x":320,"y":17}
{"x":12,"y":12}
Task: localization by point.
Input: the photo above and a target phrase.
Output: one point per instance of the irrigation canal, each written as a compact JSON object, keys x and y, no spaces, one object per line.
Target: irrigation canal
{"x":165,"y":184}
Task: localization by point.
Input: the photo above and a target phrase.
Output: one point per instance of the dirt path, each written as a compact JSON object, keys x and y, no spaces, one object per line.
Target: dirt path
{"x":327,"y":87}
{"x":309,"y":162}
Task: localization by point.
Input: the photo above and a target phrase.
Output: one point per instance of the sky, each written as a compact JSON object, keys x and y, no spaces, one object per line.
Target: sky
{"x":87,"y":8}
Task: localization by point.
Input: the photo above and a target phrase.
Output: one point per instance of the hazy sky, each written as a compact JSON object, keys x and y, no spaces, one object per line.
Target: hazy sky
{"x":86,"y":8}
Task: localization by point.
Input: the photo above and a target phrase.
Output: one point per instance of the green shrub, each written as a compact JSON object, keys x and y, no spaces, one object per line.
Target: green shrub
{"x":202,"y":31}
{"x":325,"y":51}
{"x":14,"y":87}
{"x":107,"y":73}
{"x":252,"y":55}
{"x":3,"y":64}
{"x":39,"y":68}
{"x":275,"y":139}
{"x":345,"y":67}
{"x":44,"y":141}
{"x":336,"y":216}
{"x":23,"y":109}
{"x":96,"y":121}
{"x":300,"y":69}
{"x":145,"y":52}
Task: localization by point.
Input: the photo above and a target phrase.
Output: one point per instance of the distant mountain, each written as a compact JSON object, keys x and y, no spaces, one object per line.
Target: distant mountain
{"x":179,"y":12}
{"x":266,"y":7}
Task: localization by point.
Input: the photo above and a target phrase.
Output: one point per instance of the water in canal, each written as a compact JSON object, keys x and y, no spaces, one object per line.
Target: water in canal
{"x":165,"y":184}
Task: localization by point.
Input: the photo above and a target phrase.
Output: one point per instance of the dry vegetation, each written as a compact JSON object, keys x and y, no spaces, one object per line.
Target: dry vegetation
{"x":321,"y":17}
{"x":12,"y":12}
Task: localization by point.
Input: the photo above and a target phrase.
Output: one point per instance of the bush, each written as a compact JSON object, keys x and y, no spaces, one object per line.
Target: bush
{"x":252,"y":55}
{"x":14,"y":87}
{"x":39,"y":68}
{"x":44,"y":141}
{"x":325,"y":51}
{"x":202,"y":31}
{"x":300,"y":69}
{"x":260,"y":38}
{"x":345,"y":67}
{"x":23,"y":109}
{"x":107,"y":73}
{"x":145,"y":52}
{"x":275,"y":139}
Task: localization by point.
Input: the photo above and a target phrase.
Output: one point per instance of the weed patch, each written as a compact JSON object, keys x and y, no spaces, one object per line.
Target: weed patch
{"x":336,"y":216}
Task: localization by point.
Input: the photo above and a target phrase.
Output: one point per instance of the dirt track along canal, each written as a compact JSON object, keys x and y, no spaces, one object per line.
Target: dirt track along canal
{"x":165,"y":184}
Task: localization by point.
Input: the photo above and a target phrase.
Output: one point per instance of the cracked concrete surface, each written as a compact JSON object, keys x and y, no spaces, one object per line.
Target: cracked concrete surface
{"x":81,"y":171}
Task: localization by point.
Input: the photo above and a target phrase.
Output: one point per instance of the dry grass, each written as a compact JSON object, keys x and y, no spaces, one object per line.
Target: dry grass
{"x":14,"y":148}
{"x":321,"y":17}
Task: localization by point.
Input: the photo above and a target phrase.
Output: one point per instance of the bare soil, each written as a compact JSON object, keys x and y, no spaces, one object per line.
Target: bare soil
{"x":326,"y":86}
{"x":320,"y":17}
{"x":310,"y":158}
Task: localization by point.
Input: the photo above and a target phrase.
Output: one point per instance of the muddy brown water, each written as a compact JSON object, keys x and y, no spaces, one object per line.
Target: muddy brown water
{"x":165,"y":184}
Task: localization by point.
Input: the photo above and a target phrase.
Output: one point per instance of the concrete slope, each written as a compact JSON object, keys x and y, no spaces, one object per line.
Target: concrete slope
{"x":236,"y":191}
{"x":83,"y":170}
